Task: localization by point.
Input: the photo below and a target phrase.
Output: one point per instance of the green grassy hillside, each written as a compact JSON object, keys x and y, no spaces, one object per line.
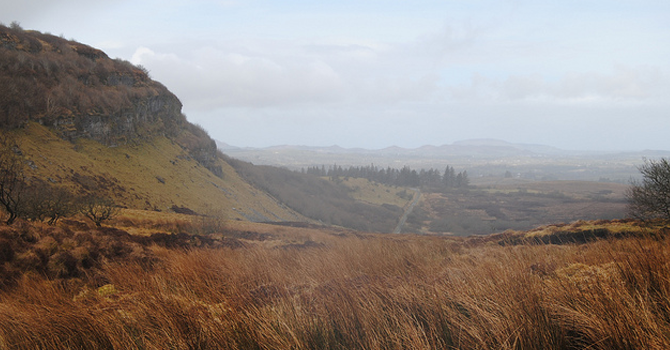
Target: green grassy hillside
{"x":157,"y":174}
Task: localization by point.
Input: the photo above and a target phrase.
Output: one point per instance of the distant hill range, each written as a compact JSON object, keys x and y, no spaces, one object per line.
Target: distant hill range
{"x":481,"y":157}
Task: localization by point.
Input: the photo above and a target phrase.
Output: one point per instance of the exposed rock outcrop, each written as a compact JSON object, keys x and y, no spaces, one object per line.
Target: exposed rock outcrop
{"x":81,"y":93}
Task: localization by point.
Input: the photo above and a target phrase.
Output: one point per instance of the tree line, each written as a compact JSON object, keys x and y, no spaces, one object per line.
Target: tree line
{"x":406,"y":177}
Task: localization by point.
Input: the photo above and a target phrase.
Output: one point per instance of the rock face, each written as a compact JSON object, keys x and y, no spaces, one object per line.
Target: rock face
{"x":80,"y":92}
{"x":152,"y":115}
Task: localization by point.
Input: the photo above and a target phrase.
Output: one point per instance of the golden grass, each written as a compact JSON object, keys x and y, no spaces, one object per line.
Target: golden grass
{"x":374,"y":193}
{"x":614,"y":227}
{"x":346,"y":290}
{"x":154,"y":175}
{"x":145,"y":222}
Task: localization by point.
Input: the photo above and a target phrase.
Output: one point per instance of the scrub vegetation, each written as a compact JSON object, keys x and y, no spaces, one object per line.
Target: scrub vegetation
{"x":275,"y":287}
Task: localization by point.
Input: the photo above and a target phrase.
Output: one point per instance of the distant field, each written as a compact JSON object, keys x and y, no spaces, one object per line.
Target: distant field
{"x":479,"y":162}
{"x":375,"y":193}
{"x":517,"y":205}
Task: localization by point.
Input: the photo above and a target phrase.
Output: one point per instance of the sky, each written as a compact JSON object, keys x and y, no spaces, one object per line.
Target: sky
{"x":573,"y":74}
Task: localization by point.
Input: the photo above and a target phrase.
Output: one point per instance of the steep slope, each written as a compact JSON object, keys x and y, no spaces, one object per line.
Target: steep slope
{"x":157,"y":174}
{"x":102,"y":126}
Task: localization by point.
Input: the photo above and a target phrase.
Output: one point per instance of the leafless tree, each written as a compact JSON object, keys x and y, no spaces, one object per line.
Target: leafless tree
{"x":12,"y":178}
{"x":650,"y":197}
{"x":46,"y":202}
{"x":99,"y":209}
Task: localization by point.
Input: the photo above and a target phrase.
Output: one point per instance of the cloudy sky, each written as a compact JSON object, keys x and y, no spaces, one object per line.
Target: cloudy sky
{"x":574,"y":74}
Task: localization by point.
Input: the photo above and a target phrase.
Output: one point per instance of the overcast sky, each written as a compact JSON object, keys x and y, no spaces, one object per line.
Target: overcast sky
{"x":582,"y":74}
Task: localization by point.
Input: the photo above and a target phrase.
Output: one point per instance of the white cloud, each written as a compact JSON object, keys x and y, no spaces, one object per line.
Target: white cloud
{"x":621,"y":84}
{"x":275,"y":73}
{"x":210,"y":78}
{"x":140,"y":53}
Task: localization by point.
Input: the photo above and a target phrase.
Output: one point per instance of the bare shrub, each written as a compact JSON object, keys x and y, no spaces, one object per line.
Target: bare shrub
{"x":211,"y":221}
{"x":98,"y":209}
{"x":50,"y":203}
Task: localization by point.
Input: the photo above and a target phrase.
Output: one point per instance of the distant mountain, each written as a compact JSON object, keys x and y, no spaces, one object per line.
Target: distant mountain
{"x":492,"y":143}
{"x":474,"y":148}
{"x":479,"y":149}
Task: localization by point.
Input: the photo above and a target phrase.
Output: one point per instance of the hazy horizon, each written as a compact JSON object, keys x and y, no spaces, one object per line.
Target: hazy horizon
{"x":457,"y":142}
{"x":371,"y":74}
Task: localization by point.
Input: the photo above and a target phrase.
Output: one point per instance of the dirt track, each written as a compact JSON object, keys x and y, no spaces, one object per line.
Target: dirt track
{"x":408,"y":210}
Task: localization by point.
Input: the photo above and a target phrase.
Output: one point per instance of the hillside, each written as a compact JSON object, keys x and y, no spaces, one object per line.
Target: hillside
{"x":328,"y":202}
{"x":102,"y":126}
{"x":157,"y":174}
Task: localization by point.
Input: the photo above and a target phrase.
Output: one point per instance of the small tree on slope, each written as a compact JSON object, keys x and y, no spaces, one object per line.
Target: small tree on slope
{"x":12,"y":179}
{"x":650,"y":197}
{"x":99,"y":209}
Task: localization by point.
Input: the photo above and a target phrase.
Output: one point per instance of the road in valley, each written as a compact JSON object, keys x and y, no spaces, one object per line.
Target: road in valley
{"x":408,"y":210}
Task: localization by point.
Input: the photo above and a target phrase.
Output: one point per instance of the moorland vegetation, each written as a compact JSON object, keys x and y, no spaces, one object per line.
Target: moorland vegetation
{"x":273,"y":287}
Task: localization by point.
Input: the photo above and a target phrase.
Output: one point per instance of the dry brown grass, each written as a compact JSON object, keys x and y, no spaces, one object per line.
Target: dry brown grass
{"x":325,"y":289}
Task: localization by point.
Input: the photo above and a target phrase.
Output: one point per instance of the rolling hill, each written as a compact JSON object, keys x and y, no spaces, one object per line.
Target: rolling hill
{"x":102,"y":126}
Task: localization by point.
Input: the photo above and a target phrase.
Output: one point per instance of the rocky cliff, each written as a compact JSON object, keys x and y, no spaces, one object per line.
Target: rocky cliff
{"x":80,"y":92}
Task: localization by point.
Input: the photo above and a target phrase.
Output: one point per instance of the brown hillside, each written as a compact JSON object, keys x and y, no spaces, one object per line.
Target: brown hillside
{"x":277,"y":287}
{"x":80,"y":91}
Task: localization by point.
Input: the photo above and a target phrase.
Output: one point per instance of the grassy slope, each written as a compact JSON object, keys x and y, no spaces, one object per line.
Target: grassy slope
{"x":329,"y":202}
{"x":153,"y":175}
{"x":375,"y":193}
